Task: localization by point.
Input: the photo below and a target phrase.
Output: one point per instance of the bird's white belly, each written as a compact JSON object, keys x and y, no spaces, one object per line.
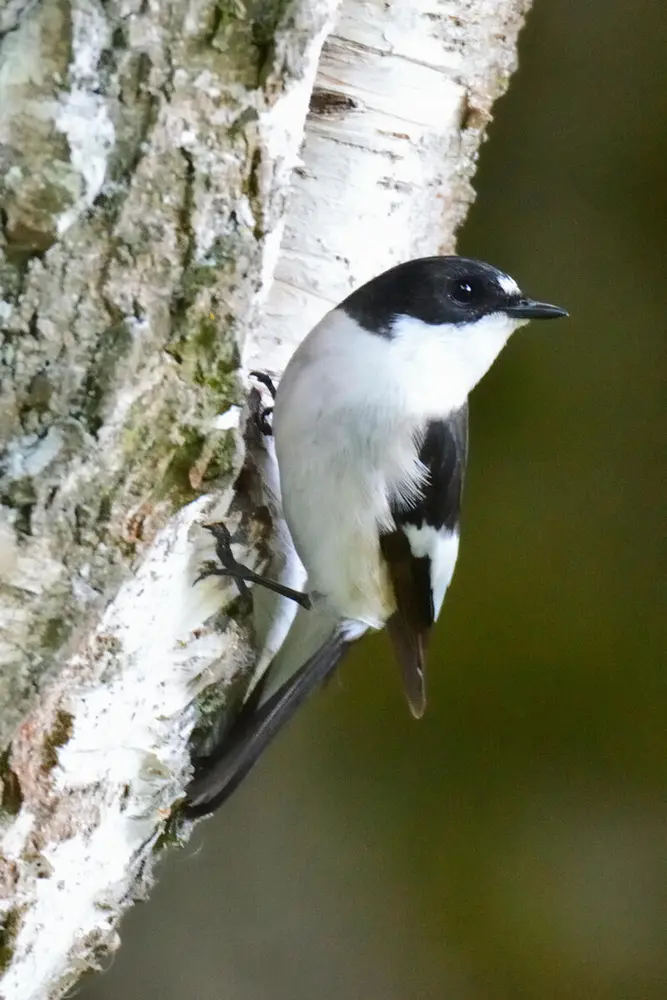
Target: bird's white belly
{"x":333,"y":518}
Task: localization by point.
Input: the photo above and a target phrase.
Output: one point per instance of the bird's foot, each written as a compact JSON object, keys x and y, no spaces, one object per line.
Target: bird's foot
{"x":229,"y":567}
{"x":265,"y":379}
{"x":265,"y":411}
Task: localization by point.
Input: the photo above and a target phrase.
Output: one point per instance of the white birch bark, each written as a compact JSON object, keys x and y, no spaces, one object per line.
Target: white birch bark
{"x":146,"y":151}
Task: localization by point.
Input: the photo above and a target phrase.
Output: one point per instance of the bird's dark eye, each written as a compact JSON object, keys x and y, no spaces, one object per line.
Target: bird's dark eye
{"x":462,"y":292}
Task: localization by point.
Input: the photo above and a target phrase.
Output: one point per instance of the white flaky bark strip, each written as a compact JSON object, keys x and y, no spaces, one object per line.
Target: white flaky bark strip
{"x":400,"y":104}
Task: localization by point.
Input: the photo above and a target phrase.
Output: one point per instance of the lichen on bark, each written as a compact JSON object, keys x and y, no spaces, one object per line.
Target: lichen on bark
{"x":134,"y":205}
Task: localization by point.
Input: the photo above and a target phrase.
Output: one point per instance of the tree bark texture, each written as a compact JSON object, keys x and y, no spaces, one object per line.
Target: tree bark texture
{"x":159,"y":165}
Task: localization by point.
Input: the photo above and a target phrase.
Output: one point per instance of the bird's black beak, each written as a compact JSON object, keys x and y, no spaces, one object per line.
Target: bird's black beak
{"x":530,"y":309}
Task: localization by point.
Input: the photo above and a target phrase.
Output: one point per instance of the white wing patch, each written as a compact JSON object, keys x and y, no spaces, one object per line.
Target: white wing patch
{"x":442,"y":547}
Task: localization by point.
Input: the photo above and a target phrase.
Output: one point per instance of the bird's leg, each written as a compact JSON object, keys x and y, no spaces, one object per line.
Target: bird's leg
{"x":231,"y":568}
{"x":262,"y":421}
{"x":261,"y":418}
{"x":265,"y":379}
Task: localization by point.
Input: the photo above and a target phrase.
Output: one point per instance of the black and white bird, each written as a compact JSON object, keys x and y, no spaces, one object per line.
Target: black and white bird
{"x":371,"y":435}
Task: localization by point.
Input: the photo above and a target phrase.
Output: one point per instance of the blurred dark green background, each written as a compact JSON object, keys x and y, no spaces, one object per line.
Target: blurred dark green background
{"x":513,"y":845}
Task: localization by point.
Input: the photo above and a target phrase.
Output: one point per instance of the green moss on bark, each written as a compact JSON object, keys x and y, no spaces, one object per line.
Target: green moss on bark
{"x":9,"y":927}
{"x":12,"y":796}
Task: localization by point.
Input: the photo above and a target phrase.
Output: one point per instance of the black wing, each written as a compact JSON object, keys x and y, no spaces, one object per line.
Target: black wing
{"x":410,"y":560}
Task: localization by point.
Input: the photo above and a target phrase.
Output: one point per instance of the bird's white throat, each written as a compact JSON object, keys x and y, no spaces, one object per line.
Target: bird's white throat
{"x":442,"y":363}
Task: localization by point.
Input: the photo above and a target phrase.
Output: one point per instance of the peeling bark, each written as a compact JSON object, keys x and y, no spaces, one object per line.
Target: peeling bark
{"x":146,"y":152}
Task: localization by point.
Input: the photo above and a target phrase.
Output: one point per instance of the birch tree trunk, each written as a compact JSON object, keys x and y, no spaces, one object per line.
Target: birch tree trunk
{"x":147,"y":150}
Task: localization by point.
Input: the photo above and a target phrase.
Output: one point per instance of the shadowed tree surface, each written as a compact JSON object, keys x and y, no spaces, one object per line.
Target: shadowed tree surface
{"x":511,"y":845}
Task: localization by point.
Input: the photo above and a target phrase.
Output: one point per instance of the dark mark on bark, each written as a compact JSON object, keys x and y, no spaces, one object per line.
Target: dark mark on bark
{"x":330,"y":104}
{"x":472,"y":117}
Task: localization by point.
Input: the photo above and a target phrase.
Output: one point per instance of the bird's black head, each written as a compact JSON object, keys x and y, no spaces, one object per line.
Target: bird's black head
{"x":439,"y":290}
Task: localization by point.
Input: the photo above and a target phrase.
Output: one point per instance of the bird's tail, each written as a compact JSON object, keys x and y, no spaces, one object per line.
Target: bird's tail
{"x":311,"y":652}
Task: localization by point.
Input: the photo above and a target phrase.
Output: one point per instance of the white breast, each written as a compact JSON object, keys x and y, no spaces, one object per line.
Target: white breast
{"x":441,"y":365}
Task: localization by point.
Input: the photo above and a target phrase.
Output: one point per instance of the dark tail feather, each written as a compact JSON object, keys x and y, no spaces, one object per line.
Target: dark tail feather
{"x":220,"y":773}
{"x":409,"y":648}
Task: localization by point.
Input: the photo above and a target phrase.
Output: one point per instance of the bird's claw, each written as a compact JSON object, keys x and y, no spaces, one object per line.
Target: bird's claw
{"x":265,"y":379}
{"x":262,"y":422}
{"x":229,"y":566}
{"x":265,"y":411}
